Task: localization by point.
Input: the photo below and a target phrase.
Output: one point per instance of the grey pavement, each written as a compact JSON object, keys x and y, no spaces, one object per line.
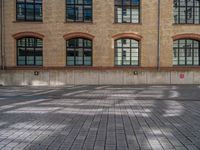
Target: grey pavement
{"x":153,"y":117}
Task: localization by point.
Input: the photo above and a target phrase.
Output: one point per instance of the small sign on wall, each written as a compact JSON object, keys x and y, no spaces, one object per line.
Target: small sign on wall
{"x":135,"y":73}
{"x":182,"y":76}
{"x":36,"y":73}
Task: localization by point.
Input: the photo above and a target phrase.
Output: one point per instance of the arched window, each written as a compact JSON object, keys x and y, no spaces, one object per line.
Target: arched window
{"x":126,"y":52}
{"x":29,"y":51}
{"x":29,"y":10}
{"x":186,"y":52}
{"x":127,"y":11}
{"x":186,"y":11}
{"x":79,"y":10}
{"x":79,"y":52}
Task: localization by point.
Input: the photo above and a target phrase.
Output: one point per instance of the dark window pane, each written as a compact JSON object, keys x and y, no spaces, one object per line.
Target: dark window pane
{"x":38,"y":1}
{"x":118,"y":2}
{"x":186,"y":12}
{"x":88,"y":14}
{"x":71,"y":43}
{"x":79,"y":10}
{"x":21,"y":51}
{"x":126,"y":52}
{"x":79,"y":13}
{"x":135,"y":2}
{"x":87,"y":1}
{"x":29,"y":1}
{"x":21,"y":11}
{"x":38,"y":12}
{"x":79,"y":1}
{"x":70,"y":52}
{"x":21,"y":42}
{"x":29,"y":51}
{"x":70,"y":1}
{"x":186,"y":52}
{"x":29,"y":10}
{"x":79,"y":52}
{"x":71,"y":13}
{"x":30,"y":42}
{"x":21,"y":63}
{"x":127,"y":11}
{"x":38,"y":42}
{"x":126,"y":2}
{"x":87,"y":43}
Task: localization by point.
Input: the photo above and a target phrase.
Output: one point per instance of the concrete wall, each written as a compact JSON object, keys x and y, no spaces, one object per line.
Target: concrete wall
{"x":96,"y":77}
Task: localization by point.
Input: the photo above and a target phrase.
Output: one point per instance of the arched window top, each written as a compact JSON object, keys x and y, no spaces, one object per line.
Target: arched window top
{"x":191,"y":36}
{"x":28,"y":34}
{"x":127,"y":35}
{"x":186,"y":11}
{"x":78,"y":35}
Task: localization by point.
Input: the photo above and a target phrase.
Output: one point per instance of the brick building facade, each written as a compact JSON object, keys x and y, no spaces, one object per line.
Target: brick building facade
{"x":155,"y":25}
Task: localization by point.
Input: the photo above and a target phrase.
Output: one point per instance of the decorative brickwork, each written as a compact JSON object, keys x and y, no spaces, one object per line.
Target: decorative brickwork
{"x":187,"y":36}
{"x":127,"y":35}
{"x":78,"y":34}
{"x":29,"y":34}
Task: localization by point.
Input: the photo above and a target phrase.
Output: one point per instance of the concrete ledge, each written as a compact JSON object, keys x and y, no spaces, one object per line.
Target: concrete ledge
{"x":96,"y":77}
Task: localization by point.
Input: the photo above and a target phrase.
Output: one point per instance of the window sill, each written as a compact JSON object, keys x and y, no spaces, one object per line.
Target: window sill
{"x":185,"y":24}
{"x":136,"y":66}
{"x":29,"y":22}
{"x":127,"y":23}
{"x":67,"y":22}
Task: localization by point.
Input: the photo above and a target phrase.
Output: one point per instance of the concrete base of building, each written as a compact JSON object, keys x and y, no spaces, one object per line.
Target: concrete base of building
{"x":96,"y":77}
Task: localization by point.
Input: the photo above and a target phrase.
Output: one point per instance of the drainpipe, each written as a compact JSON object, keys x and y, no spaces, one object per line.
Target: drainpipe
{"x":1,"y":48}
{"x":2,"y":36}
{"x":158,"y":38}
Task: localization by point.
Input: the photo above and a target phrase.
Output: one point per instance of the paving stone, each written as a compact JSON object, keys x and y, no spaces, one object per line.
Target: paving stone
{"x":112,"y":118}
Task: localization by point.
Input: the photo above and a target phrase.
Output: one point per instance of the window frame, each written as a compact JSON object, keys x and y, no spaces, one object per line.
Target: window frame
{"x":25,"y":10}
{"x":178,"y":20}
{"x":185,"y":53}
{"x":139,"y":52}
{"x":83,"y":6}
{"x":25,"y":47}
{"x":122,"y":6}
{"x":74,"y":50}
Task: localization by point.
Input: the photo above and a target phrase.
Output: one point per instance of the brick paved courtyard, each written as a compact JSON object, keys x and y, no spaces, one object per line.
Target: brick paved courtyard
{"x":100,"y":117}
